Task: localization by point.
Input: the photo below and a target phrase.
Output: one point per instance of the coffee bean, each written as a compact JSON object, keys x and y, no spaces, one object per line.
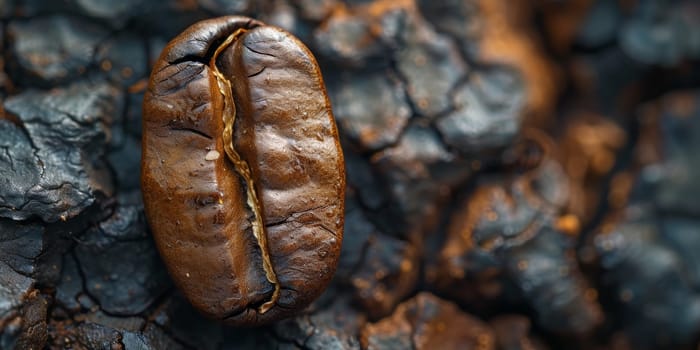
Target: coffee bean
{"x":242,"y":173}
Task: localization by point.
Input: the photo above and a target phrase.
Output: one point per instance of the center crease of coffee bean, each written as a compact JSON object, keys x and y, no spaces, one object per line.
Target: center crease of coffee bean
{"x":243,"y":169}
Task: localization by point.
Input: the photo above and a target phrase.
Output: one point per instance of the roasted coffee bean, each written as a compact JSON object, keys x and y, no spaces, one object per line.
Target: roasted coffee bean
{"x":242,"y":173}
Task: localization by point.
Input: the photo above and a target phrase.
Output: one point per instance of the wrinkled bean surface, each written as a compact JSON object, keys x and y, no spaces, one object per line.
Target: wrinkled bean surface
{"x":242,"y":172}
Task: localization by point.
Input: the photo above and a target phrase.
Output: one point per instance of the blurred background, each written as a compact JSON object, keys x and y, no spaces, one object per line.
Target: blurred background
{"x":521,"y":175}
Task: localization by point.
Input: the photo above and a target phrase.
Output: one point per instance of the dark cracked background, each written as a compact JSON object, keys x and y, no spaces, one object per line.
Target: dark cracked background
{"x":521,"y":175}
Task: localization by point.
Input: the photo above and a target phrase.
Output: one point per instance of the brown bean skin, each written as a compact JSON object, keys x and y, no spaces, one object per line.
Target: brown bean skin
{"x":197,"y":199}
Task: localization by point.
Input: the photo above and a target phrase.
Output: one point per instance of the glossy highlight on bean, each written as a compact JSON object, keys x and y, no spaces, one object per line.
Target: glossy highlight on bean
{"x":242,"y":173}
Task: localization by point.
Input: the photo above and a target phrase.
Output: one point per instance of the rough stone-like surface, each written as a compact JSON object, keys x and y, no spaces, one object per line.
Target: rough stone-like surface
{"x":123,"y":58}
{"x":488,"y":112}
{"x":66,"y":131}
{"x":383,"y":108}
{"x":594,"y":248}
{"x":61,"y":54}
{"x":652,"y":241}
{"x":512,"y":332}
{"x":510,"y":230}
{"x":132,"y":286}
{"x":333,"y":327}
{"x":22,"y":307}
{"x":426,"y":322}
{"x":430,"y":64}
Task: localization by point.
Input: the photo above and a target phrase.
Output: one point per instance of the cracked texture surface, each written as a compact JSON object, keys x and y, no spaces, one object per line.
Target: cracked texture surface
{"x":432,"y":100}
{"x":67,"y":131}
